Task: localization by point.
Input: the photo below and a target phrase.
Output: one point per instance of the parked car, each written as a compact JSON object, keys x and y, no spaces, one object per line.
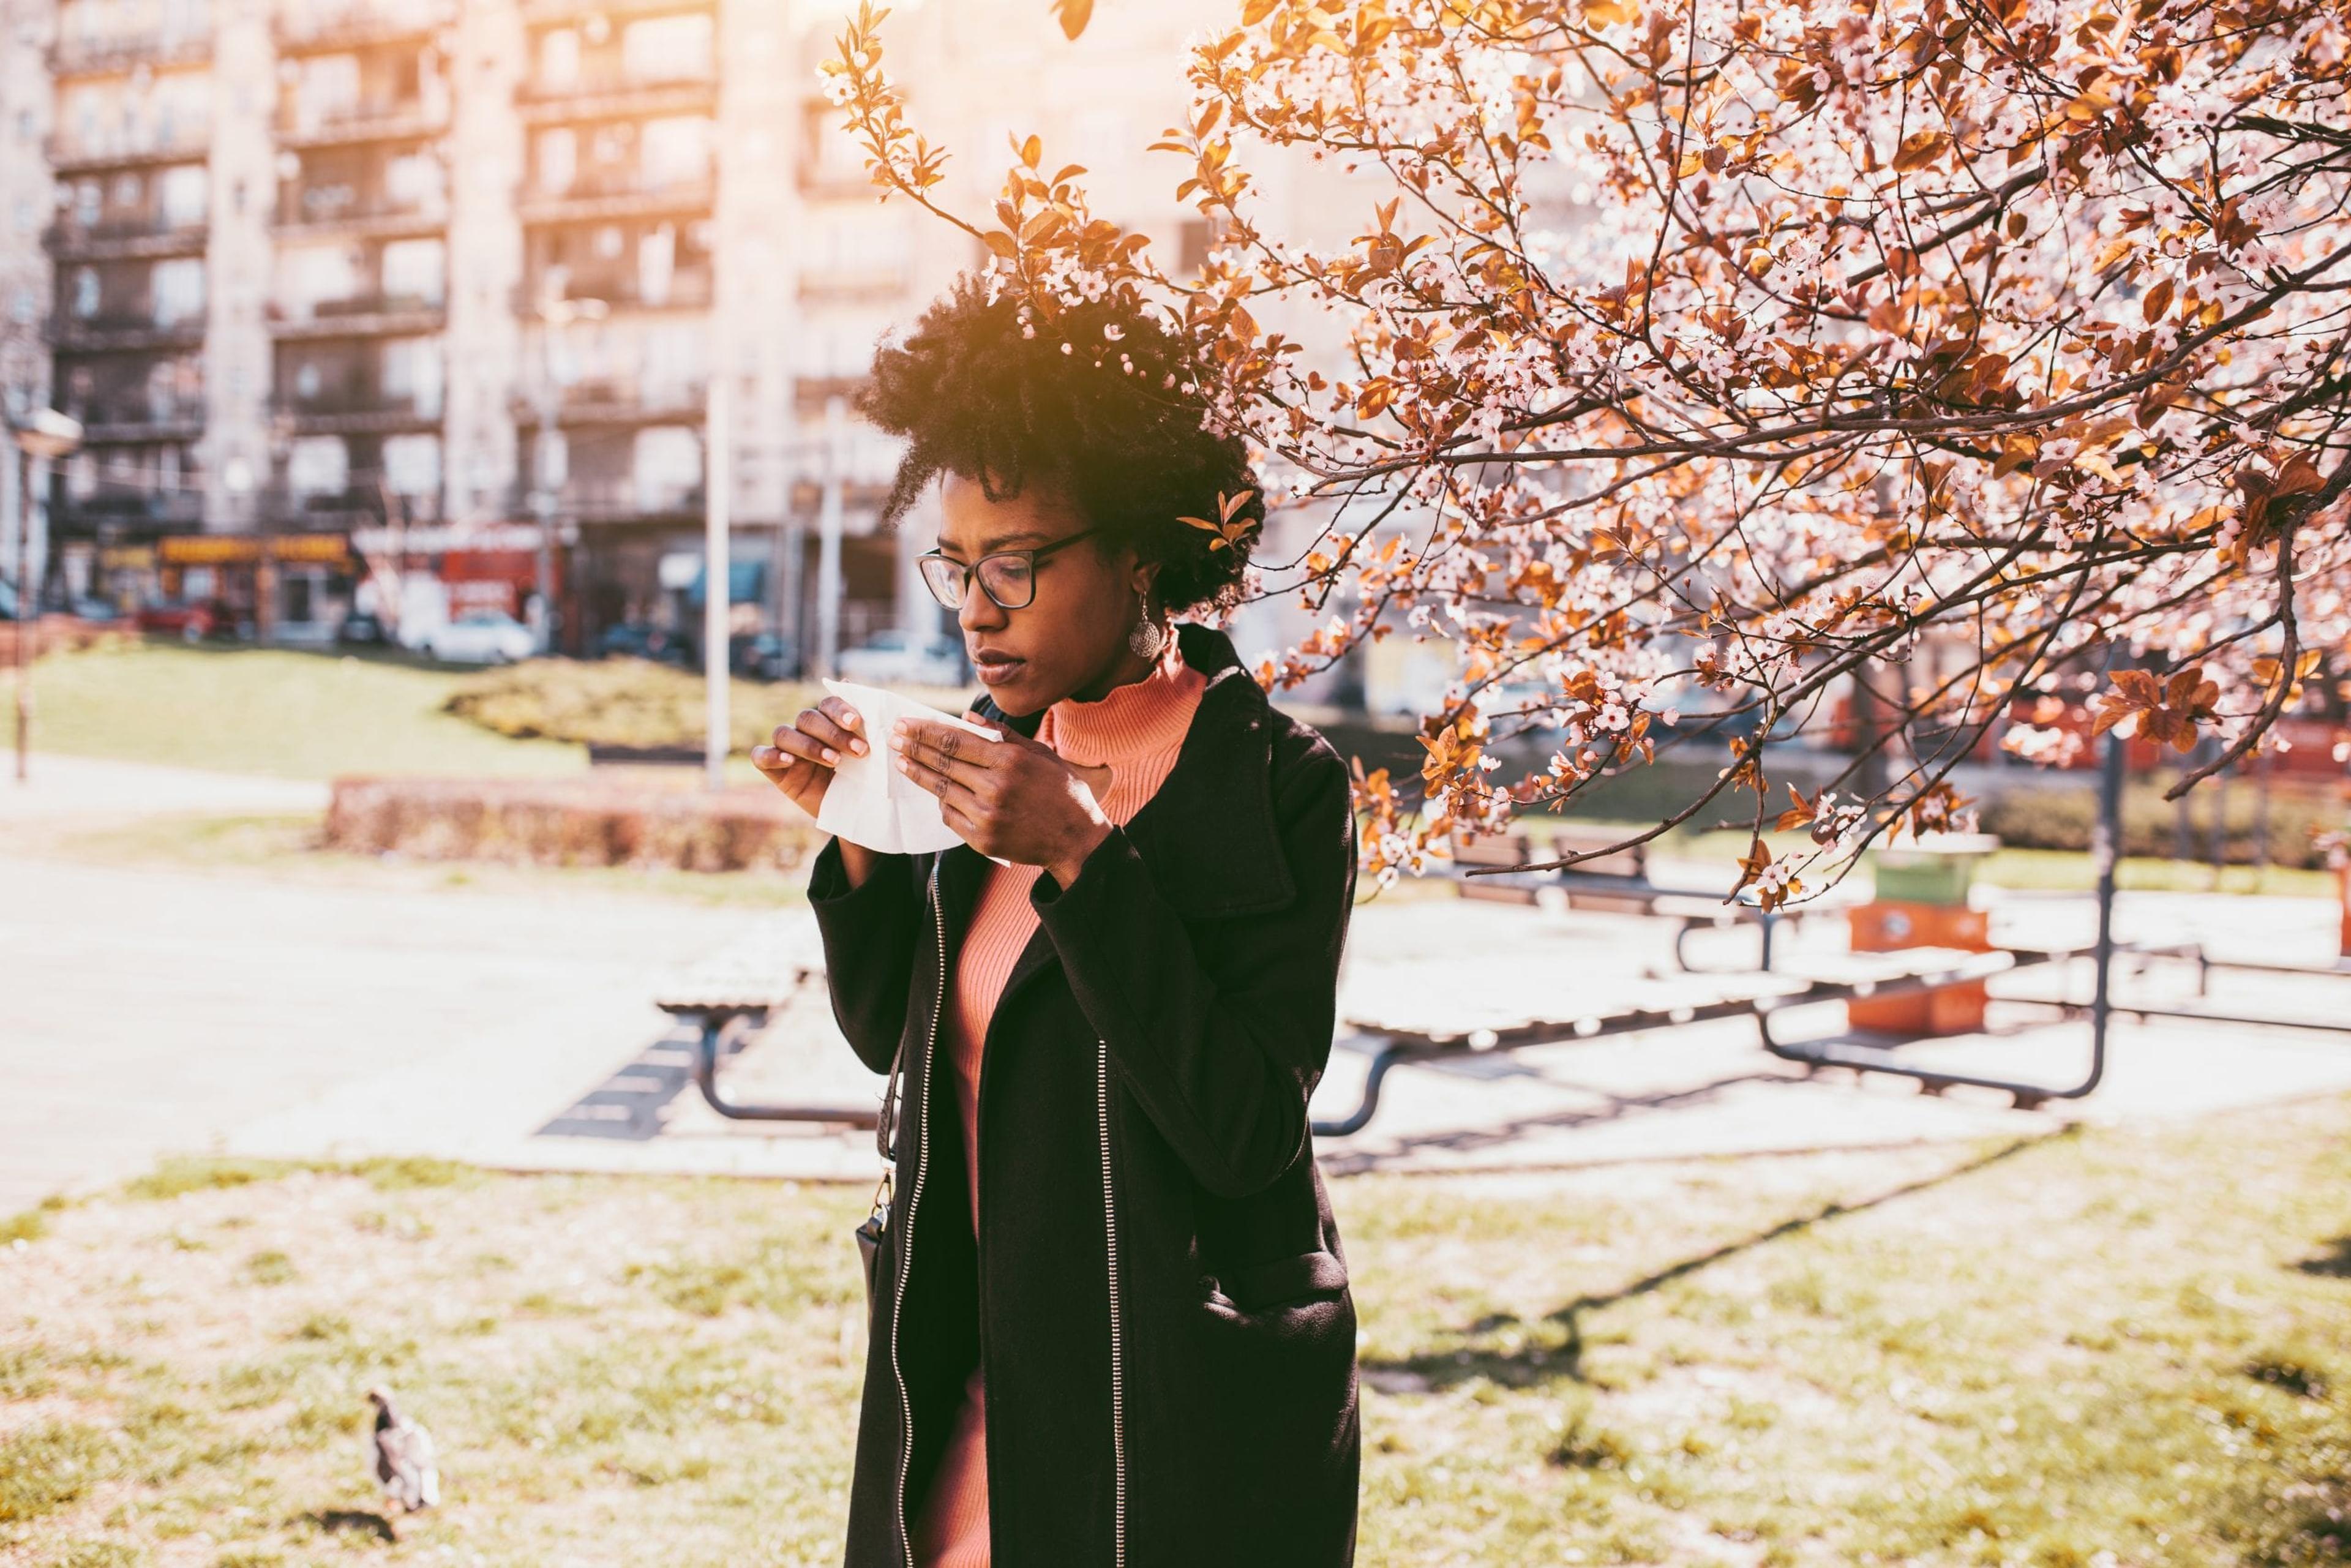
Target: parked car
{"x":905,"y":658}
{"x":641,"y":640}
{"x":361,"y":628}
{"x":760,"y":656}
{"x":481,"y":637}
{"x":193,"y":623}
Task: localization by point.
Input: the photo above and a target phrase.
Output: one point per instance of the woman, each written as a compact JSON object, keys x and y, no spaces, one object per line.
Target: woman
{"x":1112,"y":1324}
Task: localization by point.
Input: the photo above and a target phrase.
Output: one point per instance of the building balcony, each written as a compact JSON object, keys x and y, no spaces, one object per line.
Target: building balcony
{"x":69,"y":155}
{"x":626,"y":500}
{"x":124,"y":51}
{"x":836,"y":284}
{"x":358,"y":411}
{"x":407,"y":119}
{"x":355,"y":24}
{"x":126,"y":510}
{"x":614,"y":97}
{"x":685,"y":290}
{"x":359,"y":505}
{"x":121,"y":420}
{"x":126,"y":240}
{"x":615,"y":399}
{"x":812,"y":393}
{"x":362,"y":316}
{"x":124,"y":332}
{"x":541,"y":13}
{"x":598,"y":202}
{"x":358,"y":220}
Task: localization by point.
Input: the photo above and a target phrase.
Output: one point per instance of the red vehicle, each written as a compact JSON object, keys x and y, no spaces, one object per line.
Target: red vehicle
{"x":193,"y":623}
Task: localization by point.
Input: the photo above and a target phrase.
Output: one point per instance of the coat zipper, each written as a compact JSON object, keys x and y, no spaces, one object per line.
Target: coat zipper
{"x":1117,"y":1382}
{"x":907,"y":1242}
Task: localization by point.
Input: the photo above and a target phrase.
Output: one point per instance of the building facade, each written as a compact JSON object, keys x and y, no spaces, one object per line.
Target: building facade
{"x":412,"y":307}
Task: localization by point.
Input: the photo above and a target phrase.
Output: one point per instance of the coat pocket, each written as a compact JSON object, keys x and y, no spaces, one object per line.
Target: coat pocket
{"x":1280,"y":1281}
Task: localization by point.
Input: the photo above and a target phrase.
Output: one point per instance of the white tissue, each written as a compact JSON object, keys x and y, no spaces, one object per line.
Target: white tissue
{"x":869,"y":801}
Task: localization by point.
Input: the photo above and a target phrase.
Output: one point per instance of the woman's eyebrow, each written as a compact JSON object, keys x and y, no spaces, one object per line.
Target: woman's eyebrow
{"x":999,"y":541}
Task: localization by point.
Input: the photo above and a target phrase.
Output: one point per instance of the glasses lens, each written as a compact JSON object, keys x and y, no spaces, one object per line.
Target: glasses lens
{"x":946,"y":579}
{"x":1008,"y":580}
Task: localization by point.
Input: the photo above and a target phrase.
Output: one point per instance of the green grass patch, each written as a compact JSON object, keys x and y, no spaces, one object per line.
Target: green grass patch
{"x":179,"y":1175}
{"x":634,"y":702}
{"x":45,"y":1467}
{"x":273,"y":711}
{"x":2126,"y":1346}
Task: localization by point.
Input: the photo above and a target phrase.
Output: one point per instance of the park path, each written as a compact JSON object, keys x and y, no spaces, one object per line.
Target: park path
{"x":146,"y":1010}
{"x":68,"y":789}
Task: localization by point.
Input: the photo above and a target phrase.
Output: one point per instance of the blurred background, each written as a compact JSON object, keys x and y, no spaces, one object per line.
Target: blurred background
{"x":402,"y":322}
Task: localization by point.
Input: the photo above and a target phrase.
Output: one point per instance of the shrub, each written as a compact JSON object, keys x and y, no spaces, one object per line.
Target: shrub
{"x":633,"y":702}
{"x":572,"y":823}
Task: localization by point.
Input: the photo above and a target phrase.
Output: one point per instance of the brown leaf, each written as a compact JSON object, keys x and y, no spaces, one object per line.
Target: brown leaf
{"x":1074,"y":14}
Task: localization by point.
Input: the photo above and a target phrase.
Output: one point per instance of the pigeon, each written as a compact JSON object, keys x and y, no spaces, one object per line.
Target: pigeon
{"x":401,"y":1453}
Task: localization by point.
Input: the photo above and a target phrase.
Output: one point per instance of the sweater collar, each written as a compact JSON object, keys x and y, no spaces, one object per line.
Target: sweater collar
{"x":1140,"y":718}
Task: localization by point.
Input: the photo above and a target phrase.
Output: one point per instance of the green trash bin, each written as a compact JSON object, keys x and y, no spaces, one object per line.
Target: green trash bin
{"x":1938,"y":869}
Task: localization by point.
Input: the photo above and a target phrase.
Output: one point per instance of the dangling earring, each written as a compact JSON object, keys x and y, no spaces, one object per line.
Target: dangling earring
{"x":1146,"y":638}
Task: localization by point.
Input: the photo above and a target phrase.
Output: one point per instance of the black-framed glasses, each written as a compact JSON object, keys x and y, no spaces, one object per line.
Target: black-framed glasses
{"x":1009,"y":577}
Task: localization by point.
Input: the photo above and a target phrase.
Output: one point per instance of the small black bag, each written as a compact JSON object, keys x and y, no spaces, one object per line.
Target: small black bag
{"x":886,"y":1142}
{"x":870,"y":1230}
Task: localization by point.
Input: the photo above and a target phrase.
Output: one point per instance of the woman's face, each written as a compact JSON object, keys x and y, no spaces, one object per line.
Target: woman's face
{"x":1070,"y":640}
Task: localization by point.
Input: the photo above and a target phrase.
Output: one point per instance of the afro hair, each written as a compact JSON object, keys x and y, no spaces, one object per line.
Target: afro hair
{"x":1101,"y":407}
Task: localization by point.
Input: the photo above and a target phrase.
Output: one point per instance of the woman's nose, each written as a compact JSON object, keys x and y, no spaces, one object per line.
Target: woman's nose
{"x":978,"y":612}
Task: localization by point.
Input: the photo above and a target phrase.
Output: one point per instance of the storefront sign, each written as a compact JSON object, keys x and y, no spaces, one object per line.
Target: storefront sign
{"x":437,"y":538}
{"x":245,"y":550}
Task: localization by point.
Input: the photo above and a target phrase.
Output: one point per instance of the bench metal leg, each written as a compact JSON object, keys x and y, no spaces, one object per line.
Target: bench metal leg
{"x":1354,"y":1121}
{"x":2105,"y":847}
{"x":714,"y":1029}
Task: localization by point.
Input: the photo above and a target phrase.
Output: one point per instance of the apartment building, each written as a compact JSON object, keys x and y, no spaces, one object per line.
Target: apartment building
{"x":359,"y":296}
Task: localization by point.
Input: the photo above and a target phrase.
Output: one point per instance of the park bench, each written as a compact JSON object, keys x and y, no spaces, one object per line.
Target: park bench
{"x":1618,"y":882}
{"x":734,"y":991}
{"x":1466,"y":1027}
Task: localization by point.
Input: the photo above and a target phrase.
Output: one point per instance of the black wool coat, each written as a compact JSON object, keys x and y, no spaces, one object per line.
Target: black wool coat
{"x":1157,"y":1292}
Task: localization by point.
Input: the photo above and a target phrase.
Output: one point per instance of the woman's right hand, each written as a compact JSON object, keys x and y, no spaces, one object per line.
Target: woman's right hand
{"x":801,"y":760}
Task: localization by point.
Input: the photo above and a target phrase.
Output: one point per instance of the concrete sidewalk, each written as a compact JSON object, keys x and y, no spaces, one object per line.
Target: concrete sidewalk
{"x":65,"y":788}
{"x":151,"y":1011}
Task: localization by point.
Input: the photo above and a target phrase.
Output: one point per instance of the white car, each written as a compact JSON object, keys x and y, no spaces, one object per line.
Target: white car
{"x":481,"y":637}
{"x":905,"y":658}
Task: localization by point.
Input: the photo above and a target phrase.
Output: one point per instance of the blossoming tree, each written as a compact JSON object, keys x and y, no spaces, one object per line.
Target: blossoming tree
{"x":1753,"y":348}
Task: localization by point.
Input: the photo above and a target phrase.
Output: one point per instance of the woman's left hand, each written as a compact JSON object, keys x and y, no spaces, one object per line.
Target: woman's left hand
{"x":1010,"y":798}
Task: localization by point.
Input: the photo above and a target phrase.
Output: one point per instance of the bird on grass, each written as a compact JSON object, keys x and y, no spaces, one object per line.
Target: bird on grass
{"x":400,"y":1452}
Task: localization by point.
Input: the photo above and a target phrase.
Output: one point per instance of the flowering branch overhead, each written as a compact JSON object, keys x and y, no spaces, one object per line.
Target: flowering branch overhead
{"x":1917,"y":355}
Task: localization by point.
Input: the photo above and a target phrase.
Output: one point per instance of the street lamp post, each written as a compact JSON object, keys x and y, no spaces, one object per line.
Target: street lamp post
{"x":44,"y":434}
{"x":554,"y":311}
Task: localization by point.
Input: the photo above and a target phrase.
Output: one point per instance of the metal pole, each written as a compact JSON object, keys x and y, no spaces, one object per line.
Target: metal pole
{"x":717,"y":578}
{"x":828,"y":556}
{"x":2105,"y":852}
{"x":25,"y":613}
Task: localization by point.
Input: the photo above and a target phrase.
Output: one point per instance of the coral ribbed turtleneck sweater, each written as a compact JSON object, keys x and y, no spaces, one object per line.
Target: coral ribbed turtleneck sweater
{"x":1136,"y":731}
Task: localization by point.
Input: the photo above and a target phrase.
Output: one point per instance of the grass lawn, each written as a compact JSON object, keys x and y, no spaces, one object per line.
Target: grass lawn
{"x":271,"y":711}
{"x":2112,"y":1348}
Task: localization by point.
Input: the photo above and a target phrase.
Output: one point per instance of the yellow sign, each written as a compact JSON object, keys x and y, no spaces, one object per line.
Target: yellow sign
{"x":327,"y":549}
{"x":209,"y":549}
{"x":239,"y":550}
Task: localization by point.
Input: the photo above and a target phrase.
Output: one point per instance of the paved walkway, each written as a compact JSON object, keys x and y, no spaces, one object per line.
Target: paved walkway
{"x":65,"y":788}
{"x":152,"y":1010}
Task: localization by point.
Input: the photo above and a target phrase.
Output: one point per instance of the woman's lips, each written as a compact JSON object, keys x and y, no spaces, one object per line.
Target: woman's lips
{"x":995,"y":671}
